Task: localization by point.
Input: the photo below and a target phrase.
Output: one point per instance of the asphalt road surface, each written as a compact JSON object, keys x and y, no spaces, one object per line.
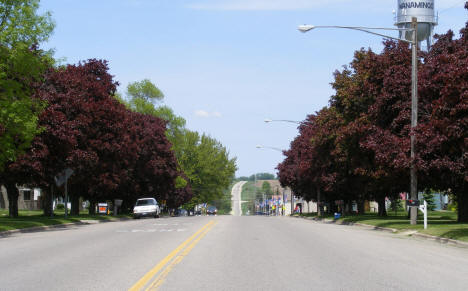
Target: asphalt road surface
{"x":227,"y":253}
{"x":236,"y":198}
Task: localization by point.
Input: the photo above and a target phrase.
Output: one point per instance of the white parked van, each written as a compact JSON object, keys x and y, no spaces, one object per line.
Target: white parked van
{"x":146,"y":207}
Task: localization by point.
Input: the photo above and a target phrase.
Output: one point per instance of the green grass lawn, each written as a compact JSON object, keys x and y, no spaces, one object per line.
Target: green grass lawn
{"x":28,"y":219}
{"x":439,"y":223}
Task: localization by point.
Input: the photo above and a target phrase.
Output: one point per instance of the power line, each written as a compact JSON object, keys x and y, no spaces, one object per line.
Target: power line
{"x":455,"y":5}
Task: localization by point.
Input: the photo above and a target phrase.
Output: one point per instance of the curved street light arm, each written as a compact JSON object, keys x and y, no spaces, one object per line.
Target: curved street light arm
{"x":287,"y":120}
{"x":267,"y":147}
{"x":363,"y":27}
{"x":383,"y":35}
{"x":305,"y":28}
{"x":282,"y":120}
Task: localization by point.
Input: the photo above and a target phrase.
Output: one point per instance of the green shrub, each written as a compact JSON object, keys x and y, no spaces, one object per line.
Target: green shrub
{"x":429,"y":197}
{"x":60,"y":206}
{"x":452,"y":206}
{"x":396,"y":205}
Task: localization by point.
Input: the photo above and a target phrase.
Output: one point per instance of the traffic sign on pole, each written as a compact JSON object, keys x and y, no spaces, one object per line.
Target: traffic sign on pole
{"x":62,"y":178}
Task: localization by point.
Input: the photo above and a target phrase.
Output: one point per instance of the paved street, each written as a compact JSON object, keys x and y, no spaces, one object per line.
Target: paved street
{"x":236,"y":198}
{"x":227,"y":253}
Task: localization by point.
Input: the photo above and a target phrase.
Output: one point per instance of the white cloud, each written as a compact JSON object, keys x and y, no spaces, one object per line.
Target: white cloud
{"x":206,"y":114}
{"x":202,"y":113}
{"x":261,"y":4}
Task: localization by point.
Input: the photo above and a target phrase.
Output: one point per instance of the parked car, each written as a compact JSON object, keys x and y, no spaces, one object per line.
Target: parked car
{"x":146,"y":207}
{"x":211,"y":210}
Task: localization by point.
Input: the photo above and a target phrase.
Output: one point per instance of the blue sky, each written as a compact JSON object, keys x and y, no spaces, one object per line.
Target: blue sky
{"x":226,"y":65}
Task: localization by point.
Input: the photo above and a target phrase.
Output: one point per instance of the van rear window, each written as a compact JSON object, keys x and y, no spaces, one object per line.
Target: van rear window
{"x":145,"y":202}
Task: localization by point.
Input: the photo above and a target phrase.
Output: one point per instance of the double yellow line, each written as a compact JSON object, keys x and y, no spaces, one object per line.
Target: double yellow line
{"x":162,"y":269}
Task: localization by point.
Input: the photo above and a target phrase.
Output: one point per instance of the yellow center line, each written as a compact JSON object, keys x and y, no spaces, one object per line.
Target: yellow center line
{"x":144,"y":280}
{"x":162,"y":276}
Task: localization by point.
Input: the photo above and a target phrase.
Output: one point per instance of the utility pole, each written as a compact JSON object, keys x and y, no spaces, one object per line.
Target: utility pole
{"x":292,"y":202}
{"x":255,"y":185}
{"x":66,"y":199}
{"x":414,"y":118}
{"x":283,"y":208}
{"x":319,"y":209}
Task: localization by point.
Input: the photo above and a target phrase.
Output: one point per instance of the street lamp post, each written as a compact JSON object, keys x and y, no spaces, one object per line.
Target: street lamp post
{"x":255,"y":189}
{"x":414,"y":92}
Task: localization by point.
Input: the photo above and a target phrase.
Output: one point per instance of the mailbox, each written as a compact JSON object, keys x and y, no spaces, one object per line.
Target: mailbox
{"x":412,"y":203}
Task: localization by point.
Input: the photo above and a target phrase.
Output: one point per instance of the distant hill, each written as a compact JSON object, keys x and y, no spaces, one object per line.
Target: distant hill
{"x":259,"y":176}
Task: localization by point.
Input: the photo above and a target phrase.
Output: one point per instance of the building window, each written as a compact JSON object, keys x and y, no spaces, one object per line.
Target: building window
{"x":27,"y":194}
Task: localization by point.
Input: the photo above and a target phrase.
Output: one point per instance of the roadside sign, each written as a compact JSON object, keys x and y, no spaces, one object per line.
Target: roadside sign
{"x":102,"y":208}
{"x":412,"y":203}
{"x":63,"y":176}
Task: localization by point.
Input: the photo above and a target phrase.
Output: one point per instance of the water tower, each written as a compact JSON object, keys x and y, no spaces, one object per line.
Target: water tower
{"x":423,"y":10}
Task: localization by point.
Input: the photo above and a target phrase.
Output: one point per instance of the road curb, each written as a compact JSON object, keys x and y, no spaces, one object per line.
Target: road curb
{"x":39,"y":228}
{"x":55,"y":226}
{"x":439,"y":239}
{"x":442,"y":240}
{"x":339,"y":222}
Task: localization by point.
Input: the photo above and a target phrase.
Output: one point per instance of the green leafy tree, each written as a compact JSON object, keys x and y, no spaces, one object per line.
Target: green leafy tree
{"x":144,"y":90}
{"x":21,"y":65}
{"x":266,"y":188}
{"x":203,"y":160}
{"x":262,"y":176}
{"x":20,"y":23}
{"x":19,"y":69}
{"x":207,"y":165}
{"x":224,"y":204}
{"x":258,"y":193}
{"x":140,"y":96}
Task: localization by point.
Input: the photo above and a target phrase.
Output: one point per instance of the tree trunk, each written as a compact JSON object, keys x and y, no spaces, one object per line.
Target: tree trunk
{"x":319,"y":203}
{"x":75,"y":204}
{"x":462,"y":199}
{"x":126,"y":207}
{"x":347,"y":207}
{"x":382,"y":210}
{"x":47,"y":201}
{"x":92,"y":207}
{"x":360,"y":207}
{"x":13,"y":194}
{"x":2,"y":201}
{"x":333,"y":207}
